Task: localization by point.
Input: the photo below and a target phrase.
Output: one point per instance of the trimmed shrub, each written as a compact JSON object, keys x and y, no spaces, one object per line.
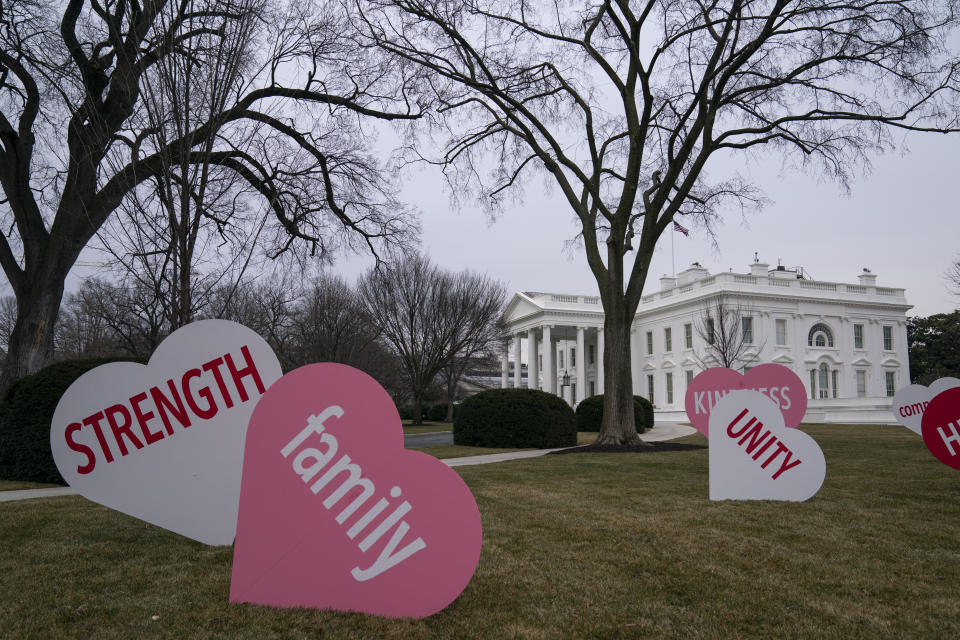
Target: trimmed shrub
{"x":515,"y":418}
{"x":25,"y":417}
{"x":406,"y":413}
{"x":590,"y":413}
{"x":437,"y":413}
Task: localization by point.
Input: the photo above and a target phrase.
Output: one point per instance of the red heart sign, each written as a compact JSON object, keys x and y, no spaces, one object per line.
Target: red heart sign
{"x":335,"y":514}
{"x":941,"y":427}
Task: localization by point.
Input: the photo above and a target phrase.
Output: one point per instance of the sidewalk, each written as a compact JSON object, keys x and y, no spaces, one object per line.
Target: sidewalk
{"x":659,"y":433}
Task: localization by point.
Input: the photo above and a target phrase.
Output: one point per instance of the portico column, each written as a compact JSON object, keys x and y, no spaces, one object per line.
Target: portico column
{"x":549,"y":371}
{"x":533,"y":367}
{"x":600,"y":360}
{"x":581,"y":366}
{"x":504,"y":366}
{"x":517,"y":367}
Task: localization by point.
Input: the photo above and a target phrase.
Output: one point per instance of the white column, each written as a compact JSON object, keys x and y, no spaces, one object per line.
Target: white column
{"x":600,"y":360}
{"x":581,"y":366}
{"x":517,"y":367}
{"x":504,"y":366}
{"x":549,"y":370}
{"x":533,"y":367}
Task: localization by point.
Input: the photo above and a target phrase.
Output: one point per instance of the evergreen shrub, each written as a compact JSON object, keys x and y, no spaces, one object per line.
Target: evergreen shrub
{"x":25,"y":416}
{"x":437,"y":413}
{"x":590,"y":413}
{"x":515,"y":418}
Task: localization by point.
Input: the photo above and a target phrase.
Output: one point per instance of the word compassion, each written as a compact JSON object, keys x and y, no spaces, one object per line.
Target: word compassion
{"x":199,"y":393}
{"x":756,"y":442}
{"x":704,"y":401}
{"x":311,"y":461}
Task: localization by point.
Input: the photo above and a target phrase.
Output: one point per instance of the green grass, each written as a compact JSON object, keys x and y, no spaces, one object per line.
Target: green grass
{"x":576,"y":546}
{"x":16,"y":485}
{"x":457,"y":451}
{"x":426,"y":427}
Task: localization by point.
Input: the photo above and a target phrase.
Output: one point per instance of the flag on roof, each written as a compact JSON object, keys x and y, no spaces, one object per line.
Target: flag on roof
{"x":682,"y":229}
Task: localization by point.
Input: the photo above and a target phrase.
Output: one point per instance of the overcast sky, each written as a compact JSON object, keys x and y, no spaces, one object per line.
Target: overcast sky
{"x":902,"y":222}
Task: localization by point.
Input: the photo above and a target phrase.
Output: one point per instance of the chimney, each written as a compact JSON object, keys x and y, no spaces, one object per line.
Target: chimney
{"x":868,"y":279}
{"x":694,"y":272}
{"x":759,"y":268}
{"x":666,"y":282}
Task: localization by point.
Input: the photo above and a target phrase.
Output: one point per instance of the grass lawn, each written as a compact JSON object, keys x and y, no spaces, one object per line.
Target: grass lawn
{"x":16,"y":485}
{"x":456,"y":451}
{"x":575,"y":546}
{"x":426,"y":427}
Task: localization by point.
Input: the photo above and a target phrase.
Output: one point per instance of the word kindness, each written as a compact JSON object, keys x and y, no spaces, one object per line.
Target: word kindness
{"x":200,"y":393}
{"x":309,"y":462}
{"x":756,"y":442}
{"x":704,"y":401}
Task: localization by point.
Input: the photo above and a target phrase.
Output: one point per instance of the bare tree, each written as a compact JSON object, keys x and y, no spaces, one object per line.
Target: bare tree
{"x":72,"y":148}
{"x":953,"y":276}
{"x":622,"y":104}
{"x":728,"y":335}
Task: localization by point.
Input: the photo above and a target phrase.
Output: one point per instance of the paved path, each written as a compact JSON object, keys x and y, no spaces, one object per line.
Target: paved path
{"x":659,"y":433}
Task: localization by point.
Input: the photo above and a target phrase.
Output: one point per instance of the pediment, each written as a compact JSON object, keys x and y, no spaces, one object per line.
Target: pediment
{"x":783,"y":358}
{"x":689,"y":362}
{"x":649,"y":367}
{"x":520,"y":307}
{"x":667,"y":364}
{"x":861,"y":362}
{"x":890,"y":362}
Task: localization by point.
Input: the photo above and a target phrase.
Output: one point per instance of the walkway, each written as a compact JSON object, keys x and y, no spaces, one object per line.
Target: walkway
{"x":659,"y":433}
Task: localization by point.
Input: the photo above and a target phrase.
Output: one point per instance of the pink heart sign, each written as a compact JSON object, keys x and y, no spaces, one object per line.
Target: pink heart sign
{"x":163,"y":442}
{"x":778,"y":383}
{"x":941,"y":427}
{"x":335,"y":514}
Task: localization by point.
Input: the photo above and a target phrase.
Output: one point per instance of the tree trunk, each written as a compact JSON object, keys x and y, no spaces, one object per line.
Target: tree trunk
{"x":618,"y":426}
{"x":417,"y":409}
{"x":31,"y":342}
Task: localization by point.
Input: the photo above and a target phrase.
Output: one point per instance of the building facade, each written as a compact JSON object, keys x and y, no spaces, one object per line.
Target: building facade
{"x":847,"y":342}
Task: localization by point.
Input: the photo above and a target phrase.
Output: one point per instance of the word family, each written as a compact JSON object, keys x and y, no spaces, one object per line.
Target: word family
{"x":309,"y":462}
{"x":753,"y":438}
{"x":180,"y":399}
{"x":704,"y":401}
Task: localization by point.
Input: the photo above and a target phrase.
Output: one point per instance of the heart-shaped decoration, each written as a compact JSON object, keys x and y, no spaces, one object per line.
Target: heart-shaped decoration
{"x":911,"y":401}
{"x":754,"y":456}
{"x":335,"y":514}
{"x":775,"y":381}
{"x":163,"y":442}
{"x":941,"y":427}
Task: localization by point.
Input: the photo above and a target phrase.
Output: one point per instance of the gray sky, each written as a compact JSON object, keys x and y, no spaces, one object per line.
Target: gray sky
{"x":901,"y":222}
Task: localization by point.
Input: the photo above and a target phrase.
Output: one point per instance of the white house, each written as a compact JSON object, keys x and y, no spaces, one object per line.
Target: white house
{"x":847,"y":342}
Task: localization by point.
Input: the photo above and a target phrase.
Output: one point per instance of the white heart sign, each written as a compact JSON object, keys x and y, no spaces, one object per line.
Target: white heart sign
{"x":753,"y":456}
{"x":164,"y":442}
{"x":911,"y":401}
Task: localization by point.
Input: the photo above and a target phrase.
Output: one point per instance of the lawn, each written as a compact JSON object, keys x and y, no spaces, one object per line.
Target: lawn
{"x":576,"y":546}
{"x":426,"y":427}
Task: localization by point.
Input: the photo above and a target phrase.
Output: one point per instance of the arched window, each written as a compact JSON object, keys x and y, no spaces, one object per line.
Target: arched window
{"x":820,"y":336}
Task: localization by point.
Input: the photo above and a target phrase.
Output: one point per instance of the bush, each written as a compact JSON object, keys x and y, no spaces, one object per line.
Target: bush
{"x":516,"y":418}
{"x":406,"y":413}
{"x":590,"y":413}
{"x":25,"y":417}
{"x":437,"y":413}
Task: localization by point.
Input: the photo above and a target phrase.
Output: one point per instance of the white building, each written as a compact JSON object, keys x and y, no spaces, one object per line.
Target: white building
{"x":847,"y":342}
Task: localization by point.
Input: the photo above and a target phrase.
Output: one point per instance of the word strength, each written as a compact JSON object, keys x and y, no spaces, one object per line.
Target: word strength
{"x":758,"y":443}
{"x":309,"y":462}
{"x":200,"y":393}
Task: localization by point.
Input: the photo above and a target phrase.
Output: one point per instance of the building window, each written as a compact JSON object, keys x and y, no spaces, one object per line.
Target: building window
{"x":835,"y":380}
{"x":813,"y":384}
{"x":858,"y":336}
{"x":593,"y":388}
{"x":573,"y":356}
{"x":561,"y":359}
{"x":891,"y":384}
{"x":540,"y":362}
{"x":747,"y":324}
{"x":820,"y":336}
{"x":649,"y":343}
{"x":887,"y":338}
{"x":689,"y":377}
{"x":650,"y":388}
{"x":861,"y":383}
{"x":573,"y":392}
{"x":590,"y":352}
{"x":669,"y":388}
{"x":668,"y":339}
{"x":781,"y":332}
{"x":824,"y":381}
{"x":688,"y":336}
{"x":709,"y":330}
{"x":746,"y":370}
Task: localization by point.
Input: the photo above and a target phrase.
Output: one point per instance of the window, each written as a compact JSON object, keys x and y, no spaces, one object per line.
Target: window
{"x":540,"y":362}
{"x":689,"y":376}
{"x":891,"y":384}
{"x":835,"y":380}
{"x":573,"y":392}
{"x":813,"y":383}
{"x":820,"y":336}
{"x":650,"y":388}
{"x":781,"y":332}
{"x":688,"y":336}
{"x":824,"y":381}
{"x":746,"y":370}
{"x":593,"y":388}
{"x":861,"y":383}
{"x":668,"y":339}
{"x":649,"y":343}
{"x":669,"y":388}
{"x":561,"y":359}
{"x":710,"y":330}
{"x":858,"y":336}
{"x":887,"y":338}
{"x":590,"y":352}
{"x":747,"y":324}
{"x":573,"y":356}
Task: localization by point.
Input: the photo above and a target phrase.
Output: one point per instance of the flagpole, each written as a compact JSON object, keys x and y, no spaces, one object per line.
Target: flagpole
{"x":673,"y":257}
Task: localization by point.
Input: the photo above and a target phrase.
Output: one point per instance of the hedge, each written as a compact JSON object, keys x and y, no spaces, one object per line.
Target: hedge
{"x":590,"y":413}
{"x":25,"y":417}
{"x":515,"y":418}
